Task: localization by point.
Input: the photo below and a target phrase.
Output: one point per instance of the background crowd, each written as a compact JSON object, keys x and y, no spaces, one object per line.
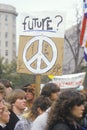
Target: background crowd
{"x":53,"y":109}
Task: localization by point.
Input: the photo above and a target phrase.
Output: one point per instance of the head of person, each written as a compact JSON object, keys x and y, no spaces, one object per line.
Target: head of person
{"x":68,"y":108}
{"x":51,"y":90}
{"x":7,"y":84}
{"x":2,"y":95}
{"x":85,"y":104}
{"x":30,"y":92}
{"x":40,"y":105}
{"x":17,"y":100}
{"x":5,"y":114}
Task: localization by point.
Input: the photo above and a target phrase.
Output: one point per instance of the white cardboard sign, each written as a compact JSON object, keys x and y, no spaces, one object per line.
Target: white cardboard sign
{"x":48,"y":23}
{"x":69,"y":81}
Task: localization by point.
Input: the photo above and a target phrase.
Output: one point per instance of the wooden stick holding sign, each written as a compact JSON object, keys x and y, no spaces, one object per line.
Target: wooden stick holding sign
{"x":38,"y":82}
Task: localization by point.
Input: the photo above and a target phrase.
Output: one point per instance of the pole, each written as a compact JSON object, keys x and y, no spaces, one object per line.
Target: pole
{"x":38,"y":82}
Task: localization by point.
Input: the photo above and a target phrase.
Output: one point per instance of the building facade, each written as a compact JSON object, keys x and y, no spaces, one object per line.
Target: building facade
{"x":8,"y":32}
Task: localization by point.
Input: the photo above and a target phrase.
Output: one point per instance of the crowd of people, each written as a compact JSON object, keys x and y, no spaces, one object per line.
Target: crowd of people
{"x":53,"y":109}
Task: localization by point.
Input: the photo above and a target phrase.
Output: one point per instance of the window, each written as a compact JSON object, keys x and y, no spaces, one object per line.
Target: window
{"x":6,"y":52}
{"x":14,"y":36}
{"x":14,"y":44}
{"x":6,"y":17}
{"x":6,"y":34}
{"x":6,"y":44}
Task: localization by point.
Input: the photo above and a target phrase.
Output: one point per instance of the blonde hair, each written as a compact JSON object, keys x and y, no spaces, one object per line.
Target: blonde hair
{"x":6,"y":105}
{"x":14,"y":95}
{"x":28,"y":115}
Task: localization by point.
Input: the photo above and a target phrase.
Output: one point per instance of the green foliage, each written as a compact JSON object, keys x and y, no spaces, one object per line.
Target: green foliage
{"x":8,"y":71}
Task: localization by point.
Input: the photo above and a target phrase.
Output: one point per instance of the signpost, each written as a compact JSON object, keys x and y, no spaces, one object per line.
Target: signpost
{"x":41,"y":44}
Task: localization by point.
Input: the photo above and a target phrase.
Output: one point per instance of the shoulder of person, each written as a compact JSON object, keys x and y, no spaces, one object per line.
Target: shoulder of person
{"x":61,"y":126}
{"x":23,"y":124}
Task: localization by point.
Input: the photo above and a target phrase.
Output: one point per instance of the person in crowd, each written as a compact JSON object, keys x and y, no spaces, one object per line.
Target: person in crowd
{"x":4,"y":116}
{"x":18,"y":105}
{"x":67,"y":111}
{"x":83,"y":121}
{"x":30,"y":94}
{"x":52,"y":91}
{"x":7,"y":84}
{"x":39,"y":106}
{"x":2,"y":95}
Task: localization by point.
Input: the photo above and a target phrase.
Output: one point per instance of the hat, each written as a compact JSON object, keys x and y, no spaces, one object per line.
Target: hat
{"x":29,"y":88}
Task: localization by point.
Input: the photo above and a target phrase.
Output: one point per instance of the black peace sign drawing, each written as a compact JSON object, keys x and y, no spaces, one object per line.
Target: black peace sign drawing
{"x":39,"y":56}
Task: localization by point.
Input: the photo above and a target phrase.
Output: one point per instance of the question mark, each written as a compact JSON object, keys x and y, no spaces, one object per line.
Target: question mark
{"x":60,"y":19}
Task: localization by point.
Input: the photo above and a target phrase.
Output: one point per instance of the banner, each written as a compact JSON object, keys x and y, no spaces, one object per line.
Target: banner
{"x":70,"y":81}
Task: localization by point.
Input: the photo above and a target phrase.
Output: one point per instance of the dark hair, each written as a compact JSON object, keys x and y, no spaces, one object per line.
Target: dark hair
{"x":41,"y":102}
{"x":61,"y":110}
{"x":6,"y":83}
{"x":49,"y":88}
{"x":26,"y":85}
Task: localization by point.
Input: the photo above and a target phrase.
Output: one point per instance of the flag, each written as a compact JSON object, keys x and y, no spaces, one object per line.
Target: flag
{"x":83,"y":32}
{"x":85,"y":53}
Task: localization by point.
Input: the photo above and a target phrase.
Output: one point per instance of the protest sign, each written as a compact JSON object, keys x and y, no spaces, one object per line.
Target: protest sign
{"x":70,"y":81}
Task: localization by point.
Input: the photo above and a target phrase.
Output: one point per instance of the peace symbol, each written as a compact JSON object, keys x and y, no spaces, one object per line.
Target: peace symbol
{"x":39,"y":56}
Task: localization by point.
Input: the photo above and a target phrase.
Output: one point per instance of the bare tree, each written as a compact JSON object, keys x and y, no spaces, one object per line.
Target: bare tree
{"x":74,"y":51}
